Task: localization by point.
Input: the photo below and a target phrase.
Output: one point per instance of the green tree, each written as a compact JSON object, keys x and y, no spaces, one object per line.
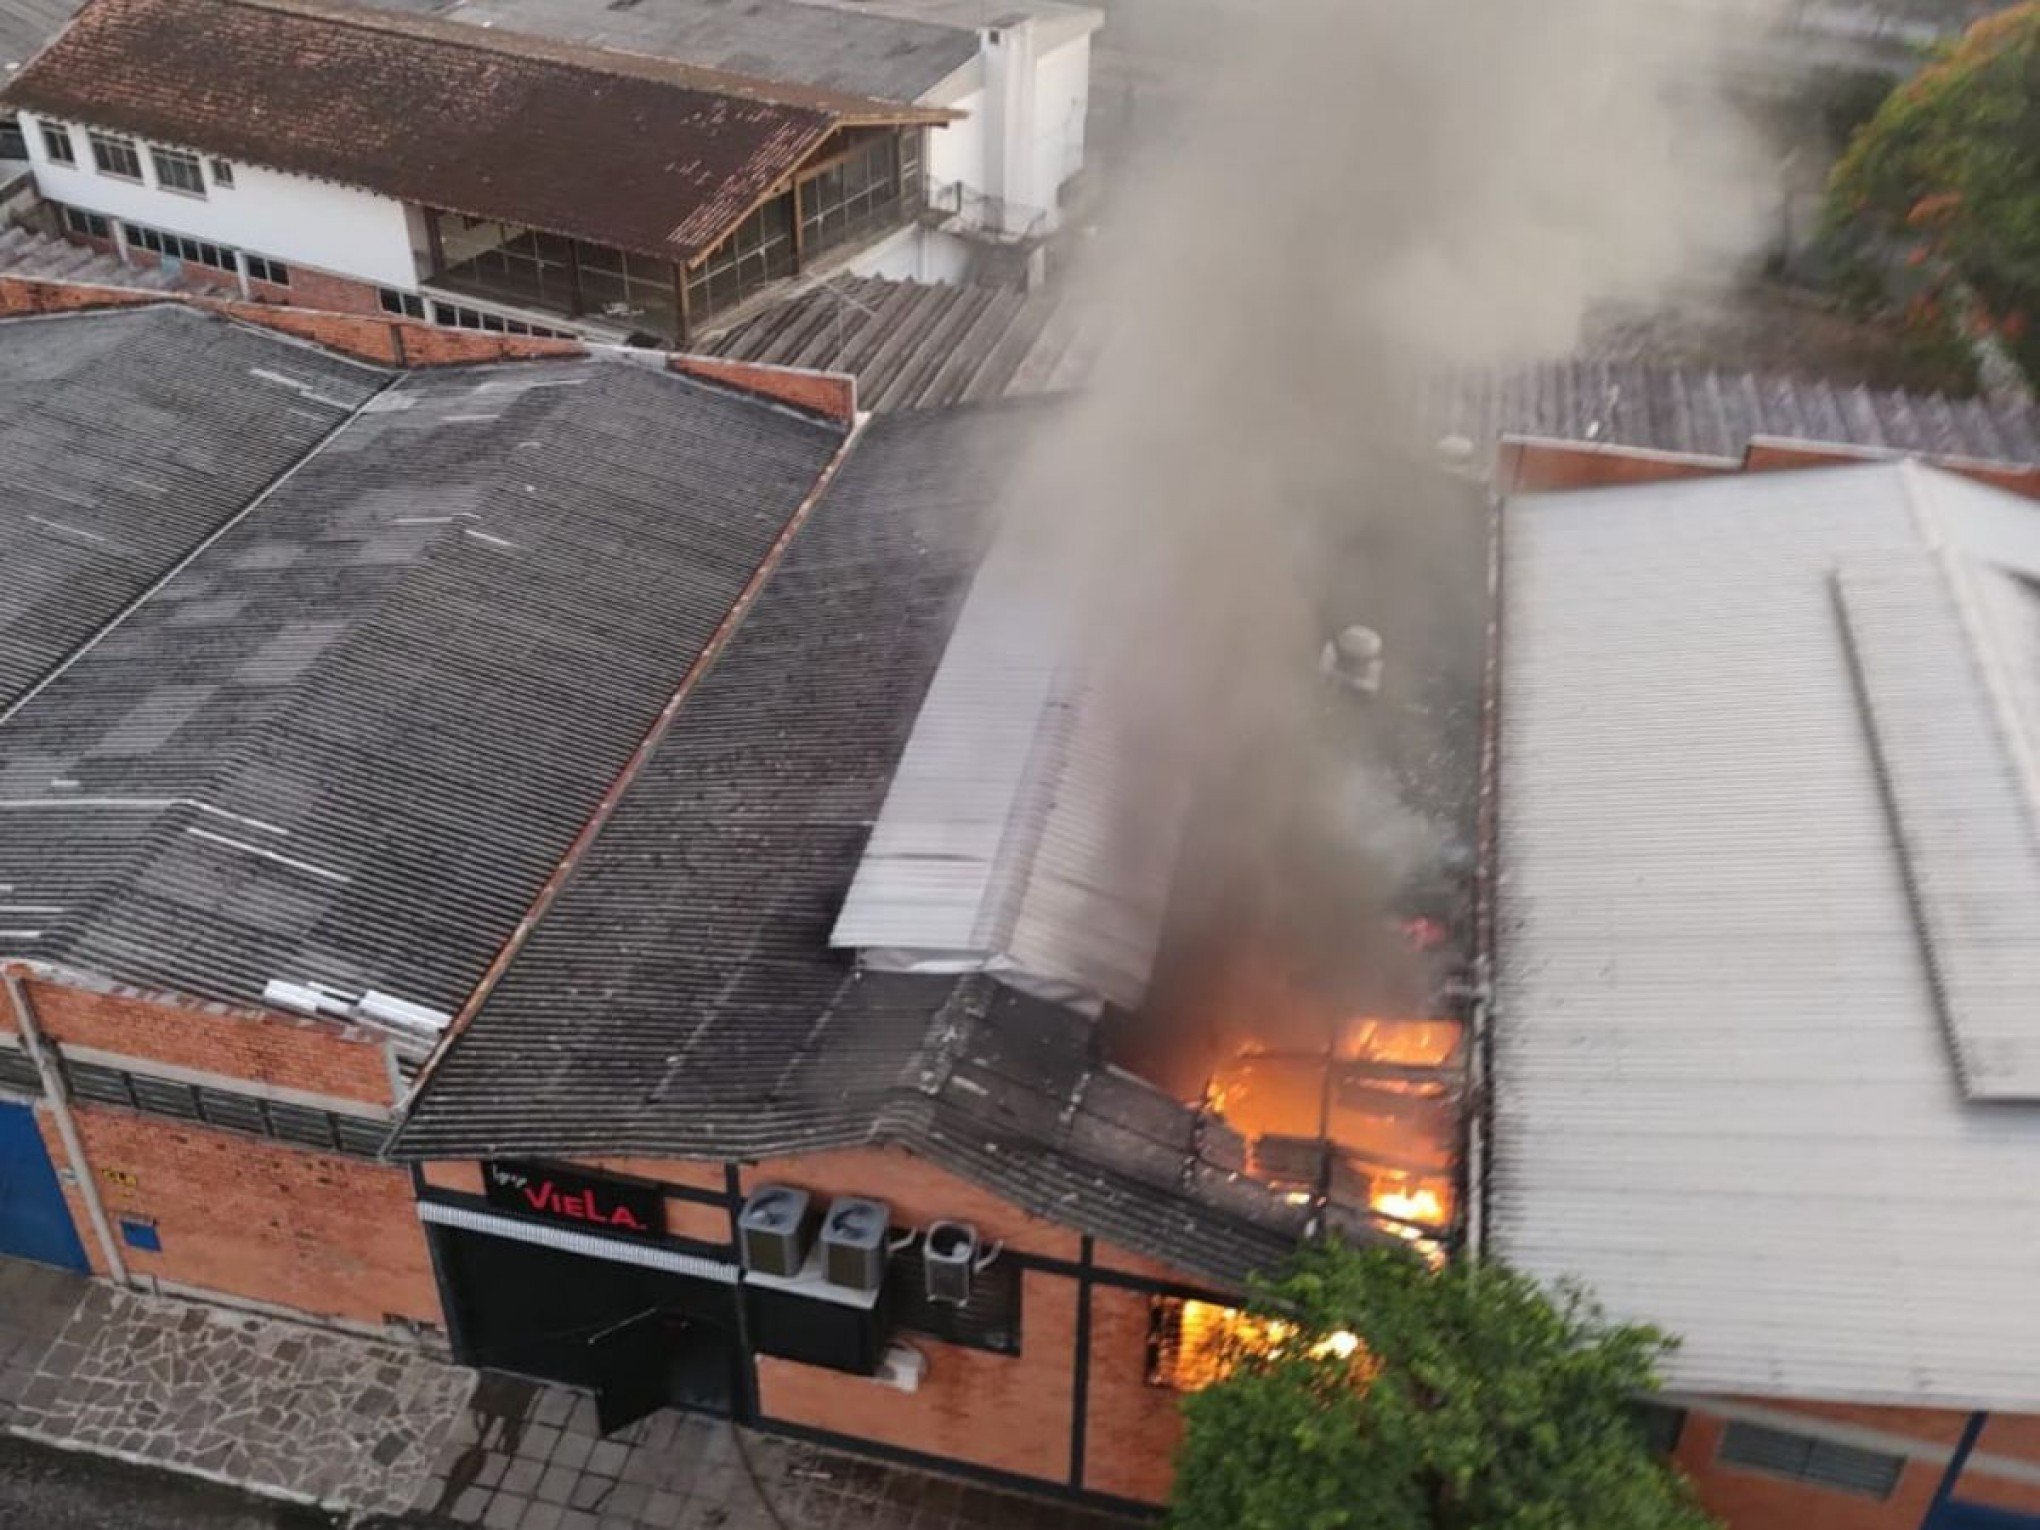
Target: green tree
{"x":1475,"y":1399}
{"x":1948,"y":172}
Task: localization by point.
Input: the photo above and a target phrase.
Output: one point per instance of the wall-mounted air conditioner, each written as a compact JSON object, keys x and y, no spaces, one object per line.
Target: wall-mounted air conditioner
{"x":854,"y":1242}
{"x":775,"y":1230}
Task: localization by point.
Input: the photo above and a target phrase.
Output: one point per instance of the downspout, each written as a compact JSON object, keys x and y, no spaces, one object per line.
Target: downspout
{"x":1480,"y":1057}
{"x":67,"y":1127}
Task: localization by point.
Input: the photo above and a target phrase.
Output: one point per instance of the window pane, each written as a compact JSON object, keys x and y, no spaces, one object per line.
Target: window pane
{"x":13,"y":144}
{"x":57,"y":143}
{"x":164,"y":1098}
{"x":362,"y":1138}
{"x":238,"y":1112}
{"x":17,"y":1071}
{"x":105,"y":1086}
{"x":115,"y":155}
{"x":294,"y":1123}
{"x":178,"y":171}
{"x":222,"y":173}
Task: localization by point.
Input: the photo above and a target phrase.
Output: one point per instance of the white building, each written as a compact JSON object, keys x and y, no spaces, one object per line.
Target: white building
{"x":372,"y":162}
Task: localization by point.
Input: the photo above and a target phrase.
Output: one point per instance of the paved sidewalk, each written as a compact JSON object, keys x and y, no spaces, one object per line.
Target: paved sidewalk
{"x":367,"y":1428}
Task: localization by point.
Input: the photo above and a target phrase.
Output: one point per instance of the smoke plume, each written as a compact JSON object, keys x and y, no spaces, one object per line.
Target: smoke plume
{"x":1340,"y":201}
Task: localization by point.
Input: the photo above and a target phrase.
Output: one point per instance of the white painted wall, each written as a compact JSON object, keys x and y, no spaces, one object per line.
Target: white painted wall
{"x":1062,"y":97}
{"x":956,"y":150}
{"x":290,"y":218}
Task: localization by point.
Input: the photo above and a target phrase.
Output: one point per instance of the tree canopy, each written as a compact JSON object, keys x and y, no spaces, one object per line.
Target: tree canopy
{"x":1946,"y":170}
{"x":1472,"y":1398}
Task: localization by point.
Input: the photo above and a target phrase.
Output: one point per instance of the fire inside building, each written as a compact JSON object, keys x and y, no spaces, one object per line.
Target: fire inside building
{"x":594,"y":868}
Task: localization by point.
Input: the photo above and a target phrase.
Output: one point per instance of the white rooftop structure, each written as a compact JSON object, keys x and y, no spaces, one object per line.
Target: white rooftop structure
{"x":1767,"y":1008}
{"x":1026,"y":833}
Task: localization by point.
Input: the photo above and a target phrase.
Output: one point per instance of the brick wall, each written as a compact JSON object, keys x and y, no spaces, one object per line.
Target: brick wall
{"x":1007,"y":1412}
{"x":919,"y":1194}
{"x":830,"y":394}
{"x":263,"y":1221}
{"x":1133,"y":1429}
{"x":1753,"y":1501}
{"x":291,"y":1052}
{"x":319,"y":289}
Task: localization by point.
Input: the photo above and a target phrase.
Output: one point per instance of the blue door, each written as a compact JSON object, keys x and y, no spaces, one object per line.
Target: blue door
{"x":1957,"y":1515}
{"x":34,"y":1221}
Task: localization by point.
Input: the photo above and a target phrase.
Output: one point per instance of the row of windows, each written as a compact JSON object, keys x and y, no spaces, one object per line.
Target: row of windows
{"x":200,"y":252}
{"x":118,"y":155}
{"x":408,"y":305}
{"x":226,"y":1108}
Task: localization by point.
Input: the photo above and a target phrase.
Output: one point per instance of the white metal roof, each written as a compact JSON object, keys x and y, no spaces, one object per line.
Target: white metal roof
{"x":1021,"y":835}
{"x":1725,"y":1092}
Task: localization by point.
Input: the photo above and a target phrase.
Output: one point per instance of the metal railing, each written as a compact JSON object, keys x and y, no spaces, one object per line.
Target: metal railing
{"x":991,"y":217}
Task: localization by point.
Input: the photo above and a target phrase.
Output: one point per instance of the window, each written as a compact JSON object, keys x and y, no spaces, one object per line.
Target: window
{"x":115,"y":155}
{"x":57,"y":144}
{"x":1805,"y":1458}
{"x":757,"y":252}
{"x":17,"y":1071}
{"x":859,"y":194}
{"x":262,"y":269}
{"x":406,"y":305}
{"x":454,"y":316}
{"x":199,"y":252}
{"x":178,"y":171}
{"x":329,"y":1130}
{"x":223,"y":174}
{"x":89,"y":224}
{"x":13,"y":143}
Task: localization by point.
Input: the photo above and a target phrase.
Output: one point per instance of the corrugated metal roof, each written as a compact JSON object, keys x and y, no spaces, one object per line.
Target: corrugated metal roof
{"x":1722,"y":1094}
{"x":493,"y":125}
{"x":913,"y":345}
{"x":127,"y":438}
{"x":25,"y":25}
{"x":1684,"y":409}
{"x":1019,"y":836}
{"x":350,"y":740}
{"x":860,"y":51}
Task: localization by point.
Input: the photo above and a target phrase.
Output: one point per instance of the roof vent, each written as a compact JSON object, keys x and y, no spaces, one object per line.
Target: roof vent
{"x":775,"y":1230}
{"x":854,"y":1242}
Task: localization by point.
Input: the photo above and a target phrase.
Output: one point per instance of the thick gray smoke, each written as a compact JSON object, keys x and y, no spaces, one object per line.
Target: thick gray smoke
{"x":1342,"y":199}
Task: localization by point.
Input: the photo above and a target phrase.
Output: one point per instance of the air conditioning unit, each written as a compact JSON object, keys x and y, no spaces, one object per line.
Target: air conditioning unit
{"x":775,"y":1230}
{"x":854,"y":1242}
{"x":949,"y":1259}
{"x":901,"y":1368}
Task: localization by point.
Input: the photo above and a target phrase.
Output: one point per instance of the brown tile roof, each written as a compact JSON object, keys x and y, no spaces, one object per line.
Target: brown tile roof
{"x":643,"y":154}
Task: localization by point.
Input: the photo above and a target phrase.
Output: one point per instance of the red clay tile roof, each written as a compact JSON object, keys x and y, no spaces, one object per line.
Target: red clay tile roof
{"x":619,"y":149}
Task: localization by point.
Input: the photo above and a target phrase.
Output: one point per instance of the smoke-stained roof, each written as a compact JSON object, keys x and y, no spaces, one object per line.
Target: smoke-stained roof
{"x":681,"y":997}
{"x":1768,"y":873}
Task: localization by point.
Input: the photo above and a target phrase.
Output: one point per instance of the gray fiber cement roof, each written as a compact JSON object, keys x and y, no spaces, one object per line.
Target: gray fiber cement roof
{"x":350,"y":740}
{"x":681,"y":998}
{"x":25,"y":25}
{"x":864,"y":52}
{"x":126,"y":438}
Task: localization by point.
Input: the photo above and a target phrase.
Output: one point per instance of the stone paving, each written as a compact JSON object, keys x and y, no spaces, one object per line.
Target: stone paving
{"x":528,"y":1458}
{"x":265,"y":1404}
{"x":388,"y":1433}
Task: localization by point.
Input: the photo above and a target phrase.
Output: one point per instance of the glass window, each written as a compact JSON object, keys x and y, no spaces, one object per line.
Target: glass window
{"x":1807,"y":1458}
{"x":222,"y":173}
{"x":17,"y":1071}
{"x":296,"y":1123}
{"x":164,"y":1098}
{"x":115,"y":155}
{"x":238,"y":1112}
{"x":362,"y":1138}
{"x":103,"y":1086}
{"x":90,"y":224}
{"x":262,"y":269}
{"x":56,"y":142}
{"x":178,"y":171}
{"x":13,"y":143}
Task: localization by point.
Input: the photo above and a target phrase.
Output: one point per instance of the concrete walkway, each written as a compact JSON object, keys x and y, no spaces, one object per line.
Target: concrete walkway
{"x":388,"y":1433}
